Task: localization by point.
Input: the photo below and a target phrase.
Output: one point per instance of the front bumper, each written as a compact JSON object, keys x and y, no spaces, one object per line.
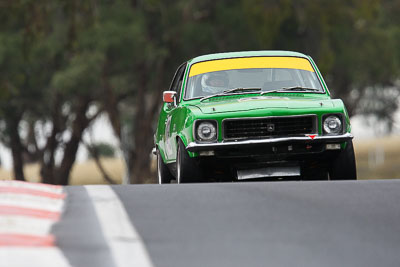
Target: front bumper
{"x":196,"y":147}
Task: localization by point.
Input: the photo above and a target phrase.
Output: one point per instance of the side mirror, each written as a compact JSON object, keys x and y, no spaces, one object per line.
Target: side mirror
{"x":169,"y":96}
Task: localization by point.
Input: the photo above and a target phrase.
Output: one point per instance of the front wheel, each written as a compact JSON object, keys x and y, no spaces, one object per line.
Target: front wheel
{"x":163,"y":174}
{"x":344,"y":166}
{"x":186,"y":169}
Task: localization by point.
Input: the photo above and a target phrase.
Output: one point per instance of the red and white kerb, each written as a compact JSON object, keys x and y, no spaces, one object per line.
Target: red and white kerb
{"x":27,"y":213}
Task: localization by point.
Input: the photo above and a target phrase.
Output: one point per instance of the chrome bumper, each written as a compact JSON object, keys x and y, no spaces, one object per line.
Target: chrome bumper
{"x":194,"y":147}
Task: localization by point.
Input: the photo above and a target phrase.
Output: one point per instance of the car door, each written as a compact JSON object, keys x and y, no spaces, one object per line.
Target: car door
{"x":170,"y":111}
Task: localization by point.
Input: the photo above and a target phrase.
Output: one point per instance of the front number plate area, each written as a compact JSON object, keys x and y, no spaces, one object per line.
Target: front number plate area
{"x":268,"y":172}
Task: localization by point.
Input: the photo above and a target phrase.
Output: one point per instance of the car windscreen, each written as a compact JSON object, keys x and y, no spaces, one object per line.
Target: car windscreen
{"x":268,"y":73}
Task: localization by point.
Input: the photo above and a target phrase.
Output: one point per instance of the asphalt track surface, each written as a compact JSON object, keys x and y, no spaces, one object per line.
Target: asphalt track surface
{"x":330,"y":223}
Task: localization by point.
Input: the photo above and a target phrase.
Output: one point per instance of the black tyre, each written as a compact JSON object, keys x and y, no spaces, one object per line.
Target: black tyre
{"x":344,"y":166}
{"x":163,"y":174}
{"x":186,"y":169}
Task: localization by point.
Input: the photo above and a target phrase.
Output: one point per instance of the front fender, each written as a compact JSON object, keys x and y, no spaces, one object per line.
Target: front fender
{"x":182,"y":128}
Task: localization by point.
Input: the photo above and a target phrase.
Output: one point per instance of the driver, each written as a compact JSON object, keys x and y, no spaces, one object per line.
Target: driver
{"x":215,"y":82}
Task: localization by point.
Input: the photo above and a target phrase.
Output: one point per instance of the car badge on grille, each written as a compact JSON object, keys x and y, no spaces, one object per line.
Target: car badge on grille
{"x":270,"y":127}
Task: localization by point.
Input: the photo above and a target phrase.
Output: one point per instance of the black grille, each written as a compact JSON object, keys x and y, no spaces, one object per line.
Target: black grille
{"x":268,"y":127}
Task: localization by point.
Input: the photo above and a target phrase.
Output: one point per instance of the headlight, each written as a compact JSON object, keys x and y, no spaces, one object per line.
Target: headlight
{"x":332,"y":125}
{"x":206,"y":131}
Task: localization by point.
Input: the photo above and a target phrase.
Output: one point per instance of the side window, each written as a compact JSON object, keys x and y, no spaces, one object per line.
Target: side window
{"x":176,"y":84}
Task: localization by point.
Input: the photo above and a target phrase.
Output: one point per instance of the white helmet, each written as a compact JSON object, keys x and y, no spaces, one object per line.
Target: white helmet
{"x":214,"y":82}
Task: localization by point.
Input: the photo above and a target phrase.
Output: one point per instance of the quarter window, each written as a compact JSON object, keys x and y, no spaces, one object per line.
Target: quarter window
{"x":176,"y":84}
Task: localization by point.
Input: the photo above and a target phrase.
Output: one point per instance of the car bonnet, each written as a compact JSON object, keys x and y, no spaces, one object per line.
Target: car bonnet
{"x":260,"y":102}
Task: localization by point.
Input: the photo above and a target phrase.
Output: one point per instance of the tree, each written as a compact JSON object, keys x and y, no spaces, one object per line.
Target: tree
{"x":39,"y":57}
{"x":20,"y":78}
{"x":352,"y":46}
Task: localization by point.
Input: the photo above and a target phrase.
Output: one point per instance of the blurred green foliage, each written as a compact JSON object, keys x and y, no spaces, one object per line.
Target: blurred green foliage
{"x":62,"y":59}
{"x":102,"y":149}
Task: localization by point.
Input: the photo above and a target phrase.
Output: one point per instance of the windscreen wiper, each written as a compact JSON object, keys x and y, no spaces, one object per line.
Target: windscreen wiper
{"x":233,"y":90}
{"x":300,"y":88}
{"x":294,"y":88}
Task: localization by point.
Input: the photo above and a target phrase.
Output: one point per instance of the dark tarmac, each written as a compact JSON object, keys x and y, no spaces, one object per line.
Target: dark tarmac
{"x":327,"y":223}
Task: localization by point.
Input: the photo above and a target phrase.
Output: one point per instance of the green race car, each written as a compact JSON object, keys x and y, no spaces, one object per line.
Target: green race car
{"x":262,"y":115}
